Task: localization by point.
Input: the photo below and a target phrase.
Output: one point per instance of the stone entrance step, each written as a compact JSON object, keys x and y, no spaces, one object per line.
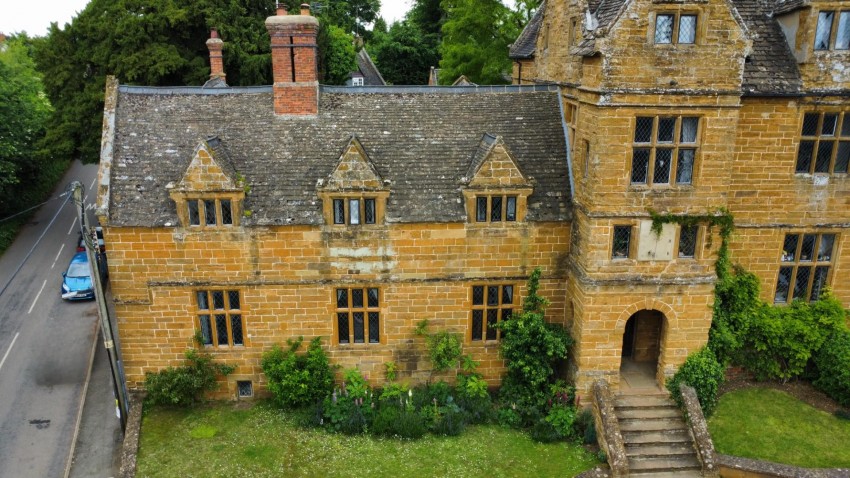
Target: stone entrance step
{"x":656,"y":465}
{"x":656,"y":437}
{"x":643,"y":401}
{"x":658,"y":424}
{"x":667,"y":474}
{"x":660,"y":451}
{"x":647,"y":413}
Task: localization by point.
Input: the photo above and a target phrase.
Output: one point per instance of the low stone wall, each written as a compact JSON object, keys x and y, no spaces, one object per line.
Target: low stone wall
{"x":131,"y":436}
{"x":699,"y":431}
{"x":608,"y":430}
{"x":737,"y":467}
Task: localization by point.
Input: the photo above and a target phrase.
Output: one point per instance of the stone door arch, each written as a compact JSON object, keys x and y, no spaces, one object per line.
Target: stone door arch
{"x":643,"y":347}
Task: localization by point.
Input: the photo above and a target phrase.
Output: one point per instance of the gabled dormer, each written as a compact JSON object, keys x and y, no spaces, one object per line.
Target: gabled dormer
{"x":818,"y":33}
{"x":495,"y":189}
{"x":664,"y":45}
{"x":210,"y":193}
{"x":354,"y":193}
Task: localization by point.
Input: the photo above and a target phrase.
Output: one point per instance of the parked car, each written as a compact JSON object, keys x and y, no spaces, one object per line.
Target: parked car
{"x":76,"y":281}
{"x":81,"y":246}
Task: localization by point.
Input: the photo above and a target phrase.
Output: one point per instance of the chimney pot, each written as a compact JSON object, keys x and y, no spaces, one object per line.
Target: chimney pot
{"x":305,"y":9}
{"x":213,"y":33}
{"x":215,"y":45}
{"x":281,"y":9}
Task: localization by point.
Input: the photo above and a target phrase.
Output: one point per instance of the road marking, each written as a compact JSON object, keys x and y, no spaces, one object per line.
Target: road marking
{"x":9,"y":349}
{"x":92,"y":182}
{"x":72,"y":226}
{"x":57,"y":255}
{"x":37,"y":296}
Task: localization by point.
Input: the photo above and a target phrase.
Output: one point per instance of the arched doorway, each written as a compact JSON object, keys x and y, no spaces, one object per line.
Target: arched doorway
{"x":642,"y":340}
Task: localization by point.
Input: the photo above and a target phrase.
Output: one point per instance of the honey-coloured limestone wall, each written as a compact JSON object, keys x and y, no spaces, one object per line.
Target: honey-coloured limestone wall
{"x":287,"y":277}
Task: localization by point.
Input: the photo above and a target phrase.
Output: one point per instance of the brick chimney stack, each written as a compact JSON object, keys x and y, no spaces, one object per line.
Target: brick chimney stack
{"x":215,"y":45}
{"x":294,"y":62}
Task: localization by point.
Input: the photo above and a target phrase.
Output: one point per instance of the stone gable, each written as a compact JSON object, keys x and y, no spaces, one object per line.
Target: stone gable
{"x":354,"y":171}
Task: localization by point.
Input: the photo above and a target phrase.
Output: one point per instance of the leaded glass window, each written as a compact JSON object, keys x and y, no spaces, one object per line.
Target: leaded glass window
{"x":824,"y":146}
{"x":219,"y":317}
{"x":806,"y":261}
{"x":358,"y":315}
{"x":490,"y":305}
{"x":664,"y":151}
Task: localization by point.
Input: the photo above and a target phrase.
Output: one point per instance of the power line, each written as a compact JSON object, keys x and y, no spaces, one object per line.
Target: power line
{"x":37,"y":241}
{"x":34,"y":207}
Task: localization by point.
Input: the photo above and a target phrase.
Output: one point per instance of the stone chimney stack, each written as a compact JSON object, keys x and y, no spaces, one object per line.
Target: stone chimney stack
{"x":215,"y":46}
{"x":294,"y":62}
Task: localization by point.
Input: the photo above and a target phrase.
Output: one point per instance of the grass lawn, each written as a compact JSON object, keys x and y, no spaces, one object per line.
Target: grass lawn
{"x":770,"y":425}
{"x":221,"y":440}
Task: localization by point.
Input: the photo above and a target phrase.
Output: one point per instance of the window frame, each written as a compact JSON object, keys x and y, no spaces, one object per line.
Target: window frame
{"x":697,"y":236}
{"x":675,"y":30}
{"x":504,"y":202}
{"x":838,"y":138}
{"x":485,"y":306}
{"x":351,"y":310}
{"x":629,"y":245}
{"x":795,"y":262}
{"x":348,"y":217}
{"x":201,"y":211}
{"x":834,"y":31}
{"x":211,"y":312}
{"x":675,"y":147}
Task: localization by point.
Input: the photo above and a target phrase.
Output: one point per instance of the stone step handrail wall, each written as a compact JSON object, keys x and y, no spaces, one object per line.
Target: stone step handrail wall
{"x":699,"y":431}
{"x":608,"y":429}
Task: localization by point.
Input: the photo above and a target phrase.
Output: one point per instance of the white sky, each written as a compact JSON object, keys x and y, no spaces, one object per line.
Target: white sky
{"x":34,"y":16}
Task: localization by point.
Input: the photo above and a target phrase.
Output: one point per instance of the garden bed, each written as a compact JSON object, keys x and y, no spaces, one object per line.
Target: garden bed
{"x":235,"y":440}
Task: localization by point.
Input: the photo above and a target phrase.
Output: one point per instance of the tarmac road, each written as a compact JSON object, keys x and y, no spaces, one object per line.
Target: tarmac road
{"x":45,"y":342}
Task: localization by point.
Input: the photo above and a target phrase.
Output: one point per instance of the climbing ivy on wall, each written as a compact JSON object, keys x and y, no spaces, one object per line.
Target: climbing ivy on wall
{"x":722,"y":219}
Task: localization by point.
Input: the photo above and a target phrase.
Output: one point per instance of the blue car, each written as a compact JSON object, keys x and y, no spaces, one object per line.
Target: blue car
{"x":76,"y":281}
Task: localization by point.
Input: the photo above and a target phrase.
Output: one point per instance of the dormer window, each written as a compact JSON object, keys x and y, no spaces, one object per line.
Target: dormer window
{"x":826,"y":25}
{"x":355,"y":211}
{"x":495,"y":208}
{"x":675,"y":28}
{"x":357,"y":81}
{"x":210,"y":212}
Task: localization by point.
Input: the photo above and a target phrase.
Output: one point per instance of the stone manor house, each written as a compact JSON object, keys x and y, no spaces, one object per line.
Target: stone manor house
{"x":255,"y":215}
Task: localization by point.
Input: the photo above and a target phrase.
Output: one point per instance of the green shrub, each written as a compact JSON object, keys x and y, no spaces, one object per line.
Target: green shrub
{"x":393,"y":392}
{"x":398,"y":421}
{"x":509,"y":417}
{"x":297,"y":380}
{"x":563,"y":419}
{"x":349,"y":409}
{"x":779,"y":341}
{"x":585,"y":427}
{"x":704,"y":373}
{"x":183,"y":386}
{"x":531,"y":348}
{"x":544,"y":431}
{"x":833,"y":367}
{"x":444,"y":347}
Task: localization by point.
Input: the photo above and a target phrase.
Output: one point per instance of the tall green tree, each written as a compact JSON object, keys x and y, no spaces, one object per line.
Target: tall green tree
{"x":338,"y":60}
{"x":24,"y":109}
{"x":403,"y":54}
{"x":160,"y":43}
{"x":476,"y":35}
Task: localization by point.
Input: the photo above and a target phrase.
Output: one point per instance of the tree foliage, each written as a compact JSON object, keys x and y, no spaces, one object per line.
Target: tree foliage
{"x":476,"y":35}
{"x":338,"y":60}
{"x":163,"y":43}
{"x":531,"y":348}
{"x":24,"y":110}
{"x":185,"y":385}
{"x":297,"y":380}
{"x":404,"y":54}
{"x":704,"y":373}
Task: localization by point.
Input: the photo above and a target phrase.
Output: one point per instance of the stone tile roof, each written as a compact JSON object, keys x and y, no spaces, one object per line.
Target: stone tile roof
{"x":607,"y":12}
{"x":785,"y":6}
{"x":419,"y":139}
{"x":525,"y":45}
{"x":371,"y":75}
{"x":771,"y":67}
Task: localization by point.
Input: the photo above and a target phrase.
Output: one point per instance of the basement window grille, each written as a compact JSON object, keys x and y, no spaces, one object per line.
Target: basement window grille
{"x":245,"y":388}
